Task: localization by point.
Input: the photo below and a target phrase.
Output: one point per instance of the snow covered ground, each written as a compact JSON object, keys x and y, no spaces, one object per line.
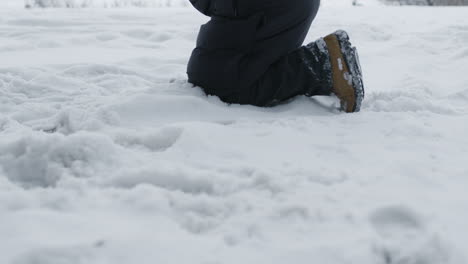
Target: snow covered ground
{"x":108,"y":156}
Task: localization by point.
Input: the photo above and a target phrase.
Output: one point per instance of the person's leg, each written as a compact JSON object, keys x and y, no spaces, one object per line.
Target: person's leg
{"x":275,"y":70}
{"x":301,"y":72}
{"x":254,"y":57}
{"x":328,"y":65}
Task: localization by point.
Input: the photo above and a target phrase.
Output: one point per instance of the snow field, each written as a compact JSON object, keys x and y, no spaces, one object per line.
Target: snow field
{"x":108,"y":155}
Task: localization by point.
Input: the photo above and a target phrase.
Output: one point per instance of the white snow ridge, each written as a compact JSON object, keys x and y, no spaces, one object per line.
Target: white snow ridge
{"x":109,"y":156}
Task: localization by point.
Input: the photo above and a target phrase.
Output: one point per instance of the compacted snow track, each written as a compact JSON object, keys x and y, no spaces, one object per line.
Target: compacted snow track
{"x":107,"y":155}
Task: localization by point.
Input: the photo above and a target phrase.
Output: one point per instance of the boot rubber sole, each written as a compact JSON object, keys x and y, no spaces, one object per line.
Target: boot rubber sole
{"x":346,"y":71}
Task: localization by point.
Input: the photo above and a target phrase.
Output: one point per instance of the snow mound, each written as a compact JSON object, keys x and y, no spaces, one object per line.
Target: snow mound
{"x":43,"y":160}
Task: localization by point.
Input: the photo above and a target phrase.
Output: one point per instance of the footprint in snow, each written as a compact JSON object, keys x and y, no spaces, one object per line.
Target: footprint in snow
{"x":404,"y":238}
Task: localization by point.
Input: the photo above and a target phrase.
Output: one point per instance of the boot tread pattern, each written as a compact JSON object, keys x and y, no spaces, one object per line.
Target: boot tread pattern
{"x":352,"y":61}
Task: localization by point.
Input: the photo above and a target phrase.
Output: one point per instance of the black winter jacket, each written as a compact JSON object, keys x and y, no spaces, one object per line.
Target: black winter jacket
{"x":226,"y":8}
{"x":218,"y":63}
{"x":202,"y":6}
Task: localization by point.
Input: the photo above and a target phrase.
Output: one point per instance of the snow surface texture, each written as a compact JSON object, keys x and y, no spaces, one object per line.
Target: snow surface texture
{"x":108,"y":155}
{"x":7,"y":4}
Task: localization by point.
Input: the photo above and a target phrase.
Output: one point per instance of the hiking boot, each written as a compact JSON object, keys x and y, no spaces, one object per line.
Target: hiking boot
{"x":346,"y":75}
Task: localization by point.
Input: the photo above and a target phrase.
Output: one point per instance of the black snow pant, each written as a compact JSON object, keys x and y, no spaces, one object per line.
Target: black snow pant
{"x":252,"y":54}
